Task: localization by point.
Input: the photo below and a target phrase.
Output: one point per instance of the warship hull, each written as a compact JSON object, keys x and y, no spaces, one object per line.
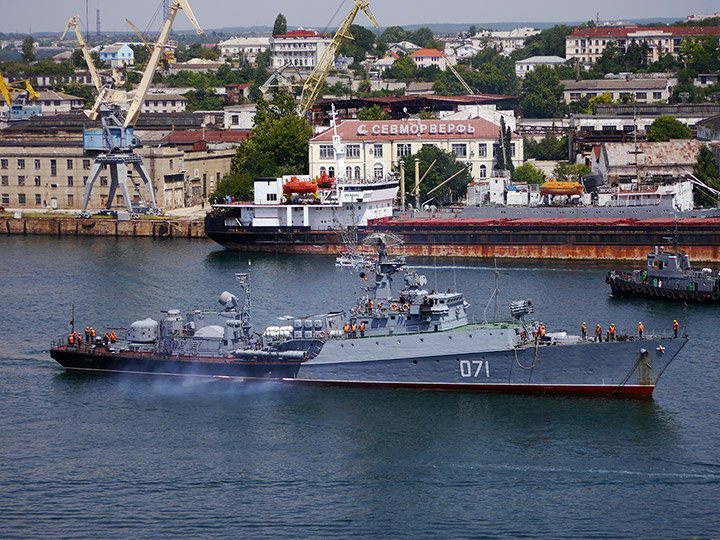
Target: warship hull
{"x":453,"y":360}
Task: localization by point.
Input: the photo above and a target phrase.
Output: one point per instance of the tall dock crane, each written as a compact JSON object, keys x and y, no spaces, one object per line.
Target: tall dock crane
{"x":116,"y":139}
{"x":317,"y":77}
{"x":110,"y":94}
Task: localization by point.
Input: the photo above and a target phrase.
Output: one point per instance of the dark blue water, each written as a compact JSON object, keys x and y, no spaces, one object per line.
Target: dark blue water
{"x":94,"y":456}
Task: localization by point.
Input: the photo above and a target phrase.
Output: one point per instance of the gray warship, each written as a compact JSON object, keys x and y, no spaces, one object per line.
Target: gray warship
{"x":409,"y":338}
{"x":668,"y":275}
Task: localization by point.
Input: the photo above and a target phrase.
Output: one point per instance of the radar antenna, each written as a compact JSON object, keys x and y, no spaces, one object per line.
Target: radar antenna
{"x":243,"y":278}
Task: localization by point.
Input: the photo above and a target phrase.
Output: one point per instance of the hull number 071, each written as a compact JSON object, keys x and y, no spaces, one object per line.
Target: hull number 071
{"x":474,"y":368}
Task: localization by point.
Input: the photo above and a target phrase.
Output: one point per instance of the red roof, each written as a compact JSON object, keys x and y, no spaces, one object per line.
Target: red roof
{"x":624,"y":31}
{"x":301,"y":34}
{"x":426,"y":52}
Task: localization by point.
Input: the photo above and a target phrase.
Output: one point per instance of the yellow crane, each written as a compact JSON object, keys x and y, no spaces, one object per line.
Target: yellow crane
{"x":317,"y":77}
{"x":7,"y":89}
{"x":168,"y":56}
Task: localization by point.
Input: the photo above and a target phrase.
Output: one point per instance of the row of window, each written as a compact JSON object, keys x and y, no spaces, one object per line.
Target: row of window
{"x":404,"y":149}
{"x":378,"y":170}
{"x":22,"y":199}
{"x":5,"y":181}
{"x":5,"y":164}
{"x":574,"y":96}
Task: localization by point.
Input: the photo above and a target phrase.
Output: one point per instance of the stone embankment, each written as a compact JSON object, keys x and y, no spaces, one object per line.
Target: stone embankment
{"x":70,"y":226}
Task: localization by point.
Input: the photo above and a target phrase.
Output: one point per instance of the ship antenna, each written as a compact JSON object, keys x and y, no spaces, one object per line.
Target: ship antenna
{"x":243,"y":279}
{"x":72,"y":321}
{"x":495,"y":294}
{"x":685,"y":326}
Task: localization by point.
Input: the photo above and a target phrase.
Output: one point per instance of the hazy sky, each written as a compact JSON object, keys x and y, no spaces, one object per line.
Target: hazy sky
{"x":52,"y":15}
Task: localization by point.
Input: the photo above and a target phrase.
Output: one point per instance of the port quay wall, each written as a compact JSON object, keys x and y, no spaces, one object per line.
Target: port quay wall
{"x":71,"y":226}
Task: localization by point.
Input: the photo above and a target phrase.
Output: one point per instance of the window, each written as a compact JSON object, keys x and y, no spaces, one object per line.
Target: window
{"x":512,"y":150}
{"x":326,"y":151}
{"x":69,"y":164}
{"x":235,"y":119}
{"x":21,"y":198}
{"x":53,"y":167}
{"x":21,"y":180}
{"x":357,"y":173}
{"x":171,"y":164}
{"x":482,"y":150}
{"x":5,"y":180}
{"x":377,"y":150}
{"x":38,"y":199}
{"x":378,"y":172}
{"x":574,"y":96}
{"x":3,"y":163}
{"x":5,"y":198}
{"x":37,"y":163}
{"x":323,"y":170}
{"x":21,"y":163}
{"x":272,"y":197}
{"x":352,"y":150}
{"x":460,"y":150}
{"x":348,"y":172}
{"x":103,"y":180}
{"x":403,"y":150}
{"x":70,"y":199}
{"x":657,"y":95}
{"x":85,"y":180}
{"x":641,"y":95}
{"x":70,"y":181}
{"x":37,"y":180}
{"x":483,"y":171}
{"x":331,"y":172}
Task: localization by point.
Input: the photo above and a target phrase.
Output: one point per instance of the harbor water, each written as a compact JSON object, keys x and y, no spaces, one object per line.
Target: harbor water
{"x":86,"y":456}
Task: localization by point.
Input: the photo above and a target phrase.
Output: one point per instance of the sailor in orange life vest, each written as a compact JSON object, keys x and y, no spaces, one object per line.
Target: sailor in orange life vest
{"x":640,"y":329}
{"x":583,"y":329}
{"x":611,"y":332}
{"x":676,"y":326}
{"x":346,"y":328}
{"x":598,"y":333}
{"x":362,"y":328}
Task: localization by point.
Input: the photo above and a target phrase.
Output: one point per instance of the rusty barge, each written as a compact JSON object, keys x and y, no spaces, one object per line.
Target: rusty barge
{"x":548,"y":238}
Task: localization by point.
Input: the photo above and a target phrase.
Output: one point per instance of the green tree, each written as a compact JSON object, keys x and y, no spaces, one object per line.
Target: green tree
{"x":280,"y":26}
{"x":503,"y":156}
{"x":707,"y":172}
{"x":605,"y":97}
{"x":666,"y":128}
{"x":549,"y":42}
{"x":549,"y":148}
{"x":362,"y":43}
{"x":393,"y":34}
{"x":373,"y":113}
{"x":278,"y":146}
{"x":542,"y":94}
{"x":28,"y":49}
{"x":203,"y":100}
{"x":528,"y":173}
{"x":445,"y":166}
{"x":564,"y":171}
{"x":403,"y":69}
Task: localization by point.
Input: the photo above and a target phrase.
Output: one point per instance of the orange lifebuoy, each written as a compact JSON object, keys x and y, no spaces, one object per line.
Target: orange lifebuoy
{"x":394,"y":307}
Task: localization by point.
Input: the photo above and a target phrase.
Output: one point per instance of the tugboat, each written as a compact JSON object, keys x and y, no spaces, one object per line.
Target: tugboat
{"x":409,"y":338}
{"x":668,"y":276}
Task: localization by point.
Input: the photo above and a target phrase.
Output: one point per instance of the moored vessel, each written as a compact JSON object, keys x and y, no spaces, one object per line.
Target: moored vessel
{"x":668,"y":275}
